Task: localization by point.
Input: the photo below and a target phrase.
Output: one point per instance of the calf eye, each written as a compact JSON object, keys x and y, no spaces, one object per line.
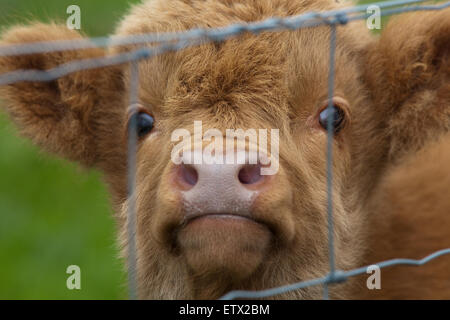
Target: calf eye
{"x":144,"y":124}
{"x":338,"y":118}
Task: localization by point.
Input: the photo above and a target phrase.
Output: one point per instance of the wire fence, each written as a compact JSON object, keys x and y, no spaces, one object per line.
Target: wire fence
{"x":167,"y":42}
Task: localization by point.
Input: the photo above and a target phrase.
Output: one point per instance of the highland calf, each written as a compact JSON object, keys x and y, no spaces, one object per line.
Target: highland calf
{"x":205,"y":228}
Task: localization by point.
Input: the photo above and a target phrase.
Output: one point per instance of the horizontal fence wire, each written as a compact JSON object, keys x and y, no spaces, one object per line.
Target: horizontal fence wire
{"x":309,"y":19}
{"x":338,"y":277}
{"x":189,"y":39}
{"x":174,"y":41}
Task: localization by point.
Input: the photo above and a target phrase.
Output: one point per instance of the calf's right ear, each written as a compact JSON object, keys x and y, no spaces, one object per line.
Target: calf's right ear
{"x":411,"y":55}
{"x":408,"y":73}
{"x":77,"y":116}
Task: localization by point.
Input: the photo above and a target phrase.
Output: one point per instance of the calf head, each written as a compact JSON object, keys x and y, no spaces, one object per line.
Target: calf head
{"x":205,"y":228}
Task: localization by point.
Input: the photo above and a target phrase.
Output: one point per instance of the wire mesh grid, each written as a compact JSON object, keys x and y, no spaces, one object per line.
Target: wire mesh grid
{"x":167,"y":42}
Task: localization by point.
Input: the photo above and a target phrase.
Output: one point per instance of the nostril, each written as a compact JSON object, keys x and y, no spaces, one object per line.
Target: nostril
{"x":250,"y":174}
{"x":189,"y":174}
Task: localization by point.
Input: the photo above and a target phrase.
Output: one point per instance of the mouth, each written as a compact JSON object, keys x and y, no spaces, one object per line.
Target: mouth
{"x":224,"y":216}
{"x":220,"y":220}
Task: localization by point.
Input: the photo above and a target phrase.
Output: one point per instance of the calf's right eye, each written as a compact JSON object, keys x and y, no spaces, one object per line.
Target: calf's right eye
{"x":144,"y":124}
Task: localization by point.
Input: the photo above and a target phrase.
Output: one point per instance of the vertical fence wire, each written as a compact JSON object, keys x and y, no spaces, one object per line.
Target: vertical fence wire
{"x":330,"y":138}
{"x":131,"y":164}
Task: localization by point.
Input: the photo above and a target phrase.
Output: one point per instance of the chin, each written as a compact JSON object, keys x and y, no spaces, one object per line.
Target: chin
{"x":224,"y":246}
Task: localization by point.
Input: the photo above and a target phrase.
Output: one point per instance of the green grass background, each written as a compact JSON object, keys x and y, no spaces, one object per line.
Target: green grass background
{"x":52,"y":214}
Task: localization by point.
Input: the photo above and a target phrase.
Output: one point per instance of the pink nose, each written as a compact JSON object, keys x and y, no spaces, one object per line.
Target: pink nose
{"x":219,"y":188}
{"x":247,"y":174}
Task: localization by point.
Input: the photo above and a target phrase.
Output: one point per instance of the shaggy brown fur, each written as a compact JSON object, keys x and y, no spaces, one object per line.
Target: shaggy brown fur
{"x":274,"y":80}
{"x":410,"y":75}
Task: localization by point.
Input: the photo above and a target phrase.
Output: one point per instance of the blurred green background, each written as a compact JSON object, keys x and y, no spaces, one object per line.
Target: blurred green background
{"x":52,"y":214}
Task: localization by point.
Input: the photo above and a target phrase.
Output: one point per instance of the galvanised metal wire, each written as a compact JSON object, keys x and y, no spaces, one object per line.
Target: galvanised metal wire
{"x":131,"y":164}
{"x":310,"y":19}
{"x":165,"y":42}
{"x":330,"y":129}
